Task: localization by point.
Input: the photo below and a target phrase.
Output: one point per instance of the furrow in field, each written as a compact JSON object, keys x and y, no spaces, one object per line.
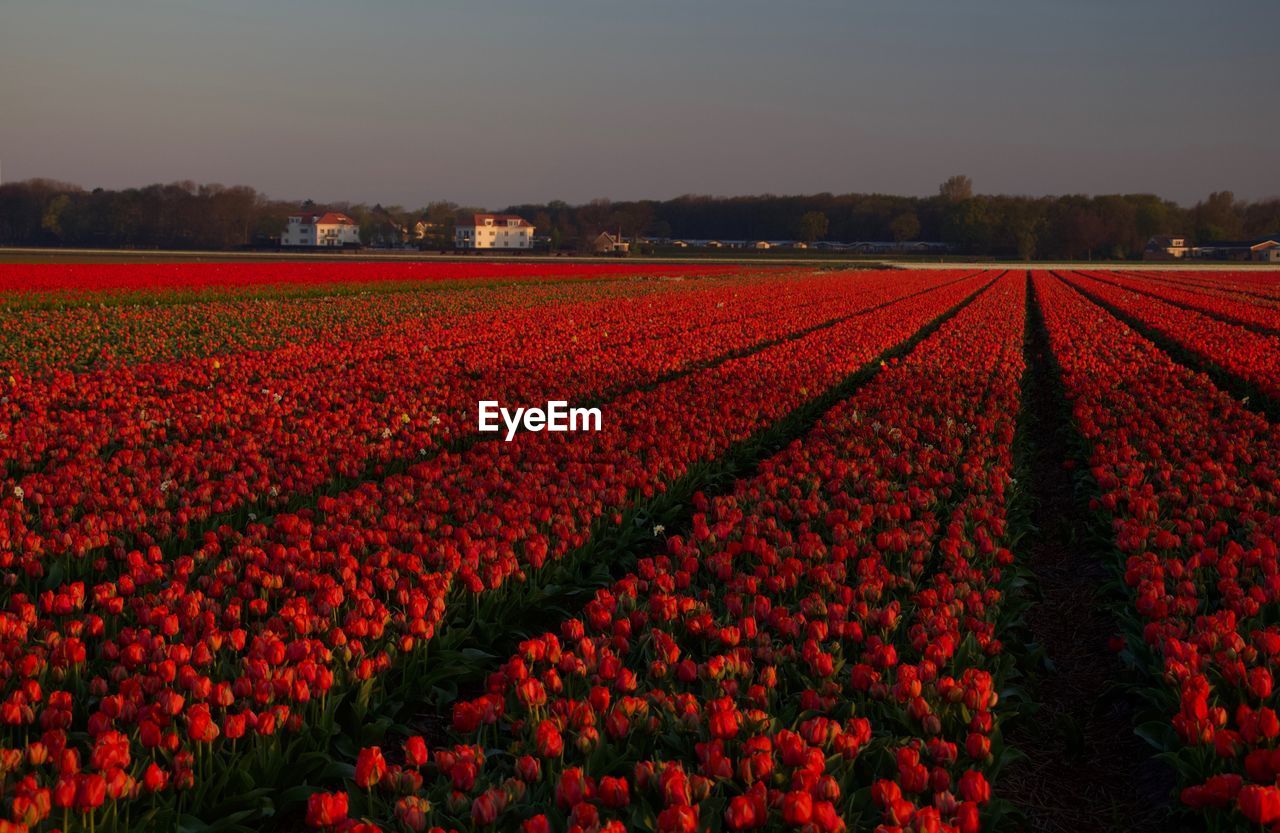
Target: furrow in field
{"x":1081,"y":768}
{"x":1188,"y":482}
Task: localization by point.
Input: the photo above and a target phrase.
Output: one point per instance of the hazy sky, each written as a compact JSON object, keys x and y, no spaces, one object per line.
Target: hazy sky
{"x":493,"y":103}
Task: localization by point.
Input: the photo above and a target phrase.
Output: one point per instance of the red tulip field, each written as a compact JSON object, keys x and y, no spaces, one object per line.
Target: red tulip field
{"x":927,"y":551}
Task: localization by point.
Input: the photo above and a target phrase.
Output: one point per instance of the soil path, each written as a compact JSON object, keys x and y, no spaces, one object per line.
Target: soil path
{"x":1085,"y":768}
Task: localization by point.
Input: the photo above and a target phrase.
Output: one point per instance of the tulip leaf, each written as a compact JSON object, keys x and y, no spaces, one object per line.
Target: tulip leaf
{"x":1158,"y":733}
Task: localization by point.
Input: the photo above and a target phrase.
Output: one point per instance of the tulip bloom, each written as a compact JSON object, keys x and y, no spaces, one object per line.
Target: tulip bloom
{"x":370,"y":767}
{"x":326,"y":809}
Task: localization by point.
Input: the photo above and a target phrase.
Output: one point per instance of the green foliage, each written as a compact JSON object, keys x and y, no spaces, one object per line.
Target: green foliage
{"x":813,"y":226}
{"x":185,"y":215}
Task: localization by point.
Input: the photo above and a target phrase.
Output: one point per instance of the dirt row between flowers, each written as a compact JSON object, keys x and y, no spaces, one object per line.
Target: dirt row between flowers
{"x":468,"y":654}
{"x":1084,"y":768}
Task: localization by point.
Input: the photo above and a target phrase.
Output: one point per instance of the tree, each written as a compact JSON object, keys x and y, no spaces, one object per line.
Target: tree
{"x":1218,"y":218}
{"x":1262,"y":218}
{"x":905,"y":226}
{"x":52,"y":219}
{"x":813,"y":226}
{"x":1153,"y":216}
{"x":956,"y":189}
{"x":1024,"y":228}
{"x":971,"y":226}
{"x":1083,"y":230}
{"x":190,"y":215}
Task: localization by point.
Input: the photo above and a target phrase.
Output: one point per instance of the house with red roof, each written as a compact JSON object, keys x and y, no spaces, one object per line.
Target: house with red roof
{"x":494,"y":231}
{"x":325,"y":228}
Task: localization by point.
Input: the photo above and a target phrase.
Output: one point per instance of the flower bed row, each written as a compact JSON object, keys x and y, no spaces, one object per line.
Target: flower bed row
{"x":131,"y":458}
{"x":1248,"y":311}
{"x":1252,"y":357}
{"x":191,"y":666}
{"x":93,"y":337}
{"x":72,"y":280}
{"x":818,"y":652}
{"x":1189,"y":481}
{"x":1250,"y":284}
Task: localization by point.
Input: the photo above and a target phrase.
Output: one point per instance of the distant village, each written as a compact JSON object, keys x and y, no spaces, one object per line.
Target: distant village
{"x":512,"y":233}
{"x":509,"y":232}
{"x":955,"y":223}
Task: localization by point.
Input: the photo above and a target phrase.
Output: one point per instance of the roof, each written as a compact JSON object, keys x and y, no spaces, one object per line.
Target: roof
{"x":327,"y":218}
{"x":1273,"y":239}
{"x":478,"y":219}
{"x":1166,"y":239}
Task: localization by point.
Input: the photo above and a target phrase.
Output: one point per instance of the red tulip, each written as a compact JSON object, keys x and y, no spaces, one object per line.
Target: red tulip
{"x":155,"y":779}
{"x":1259,"y":804}
{"x":550,"y":744}
{"x":415,"y":751}
{"x":370,"y":767}
{"x":741,"y":814}
{"x":326,"y":809}
{"x":536,"y":824}
{"x":797,"y":808}
{"x":614,"y":792}
{"x":91,"y":792}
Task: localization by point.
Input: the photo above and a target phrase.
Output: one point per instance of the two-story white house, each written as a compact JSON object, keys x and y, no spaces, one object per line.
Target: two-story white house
{"x":329,"y":228}
{"x":494,"y":231}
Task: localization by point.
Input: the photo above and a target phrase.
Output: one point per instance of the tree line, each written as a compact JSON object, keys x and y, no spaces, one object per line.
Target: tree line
{"x":186,"y":215}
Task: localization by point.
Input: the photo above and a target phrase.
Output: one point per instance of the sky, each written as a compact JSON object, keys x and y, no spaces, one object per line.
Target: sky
{"x":493,"y":103}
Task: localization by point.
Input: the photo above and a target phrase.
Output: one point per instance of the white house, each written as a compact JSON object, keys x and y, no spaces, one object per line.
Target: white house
{"x":494,"y":231}
{"x":324,"y":229}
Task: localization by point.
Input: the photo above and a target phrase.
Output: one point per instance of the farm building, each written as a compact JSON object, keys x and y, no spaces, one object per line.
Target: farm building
{"x":1261,"y":249}
{"x":1167,"y":247}
{"x":423,"y":229}
{"x":330,"y":228}
{"x":606,"y":243}
{"x":494,"y":231}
